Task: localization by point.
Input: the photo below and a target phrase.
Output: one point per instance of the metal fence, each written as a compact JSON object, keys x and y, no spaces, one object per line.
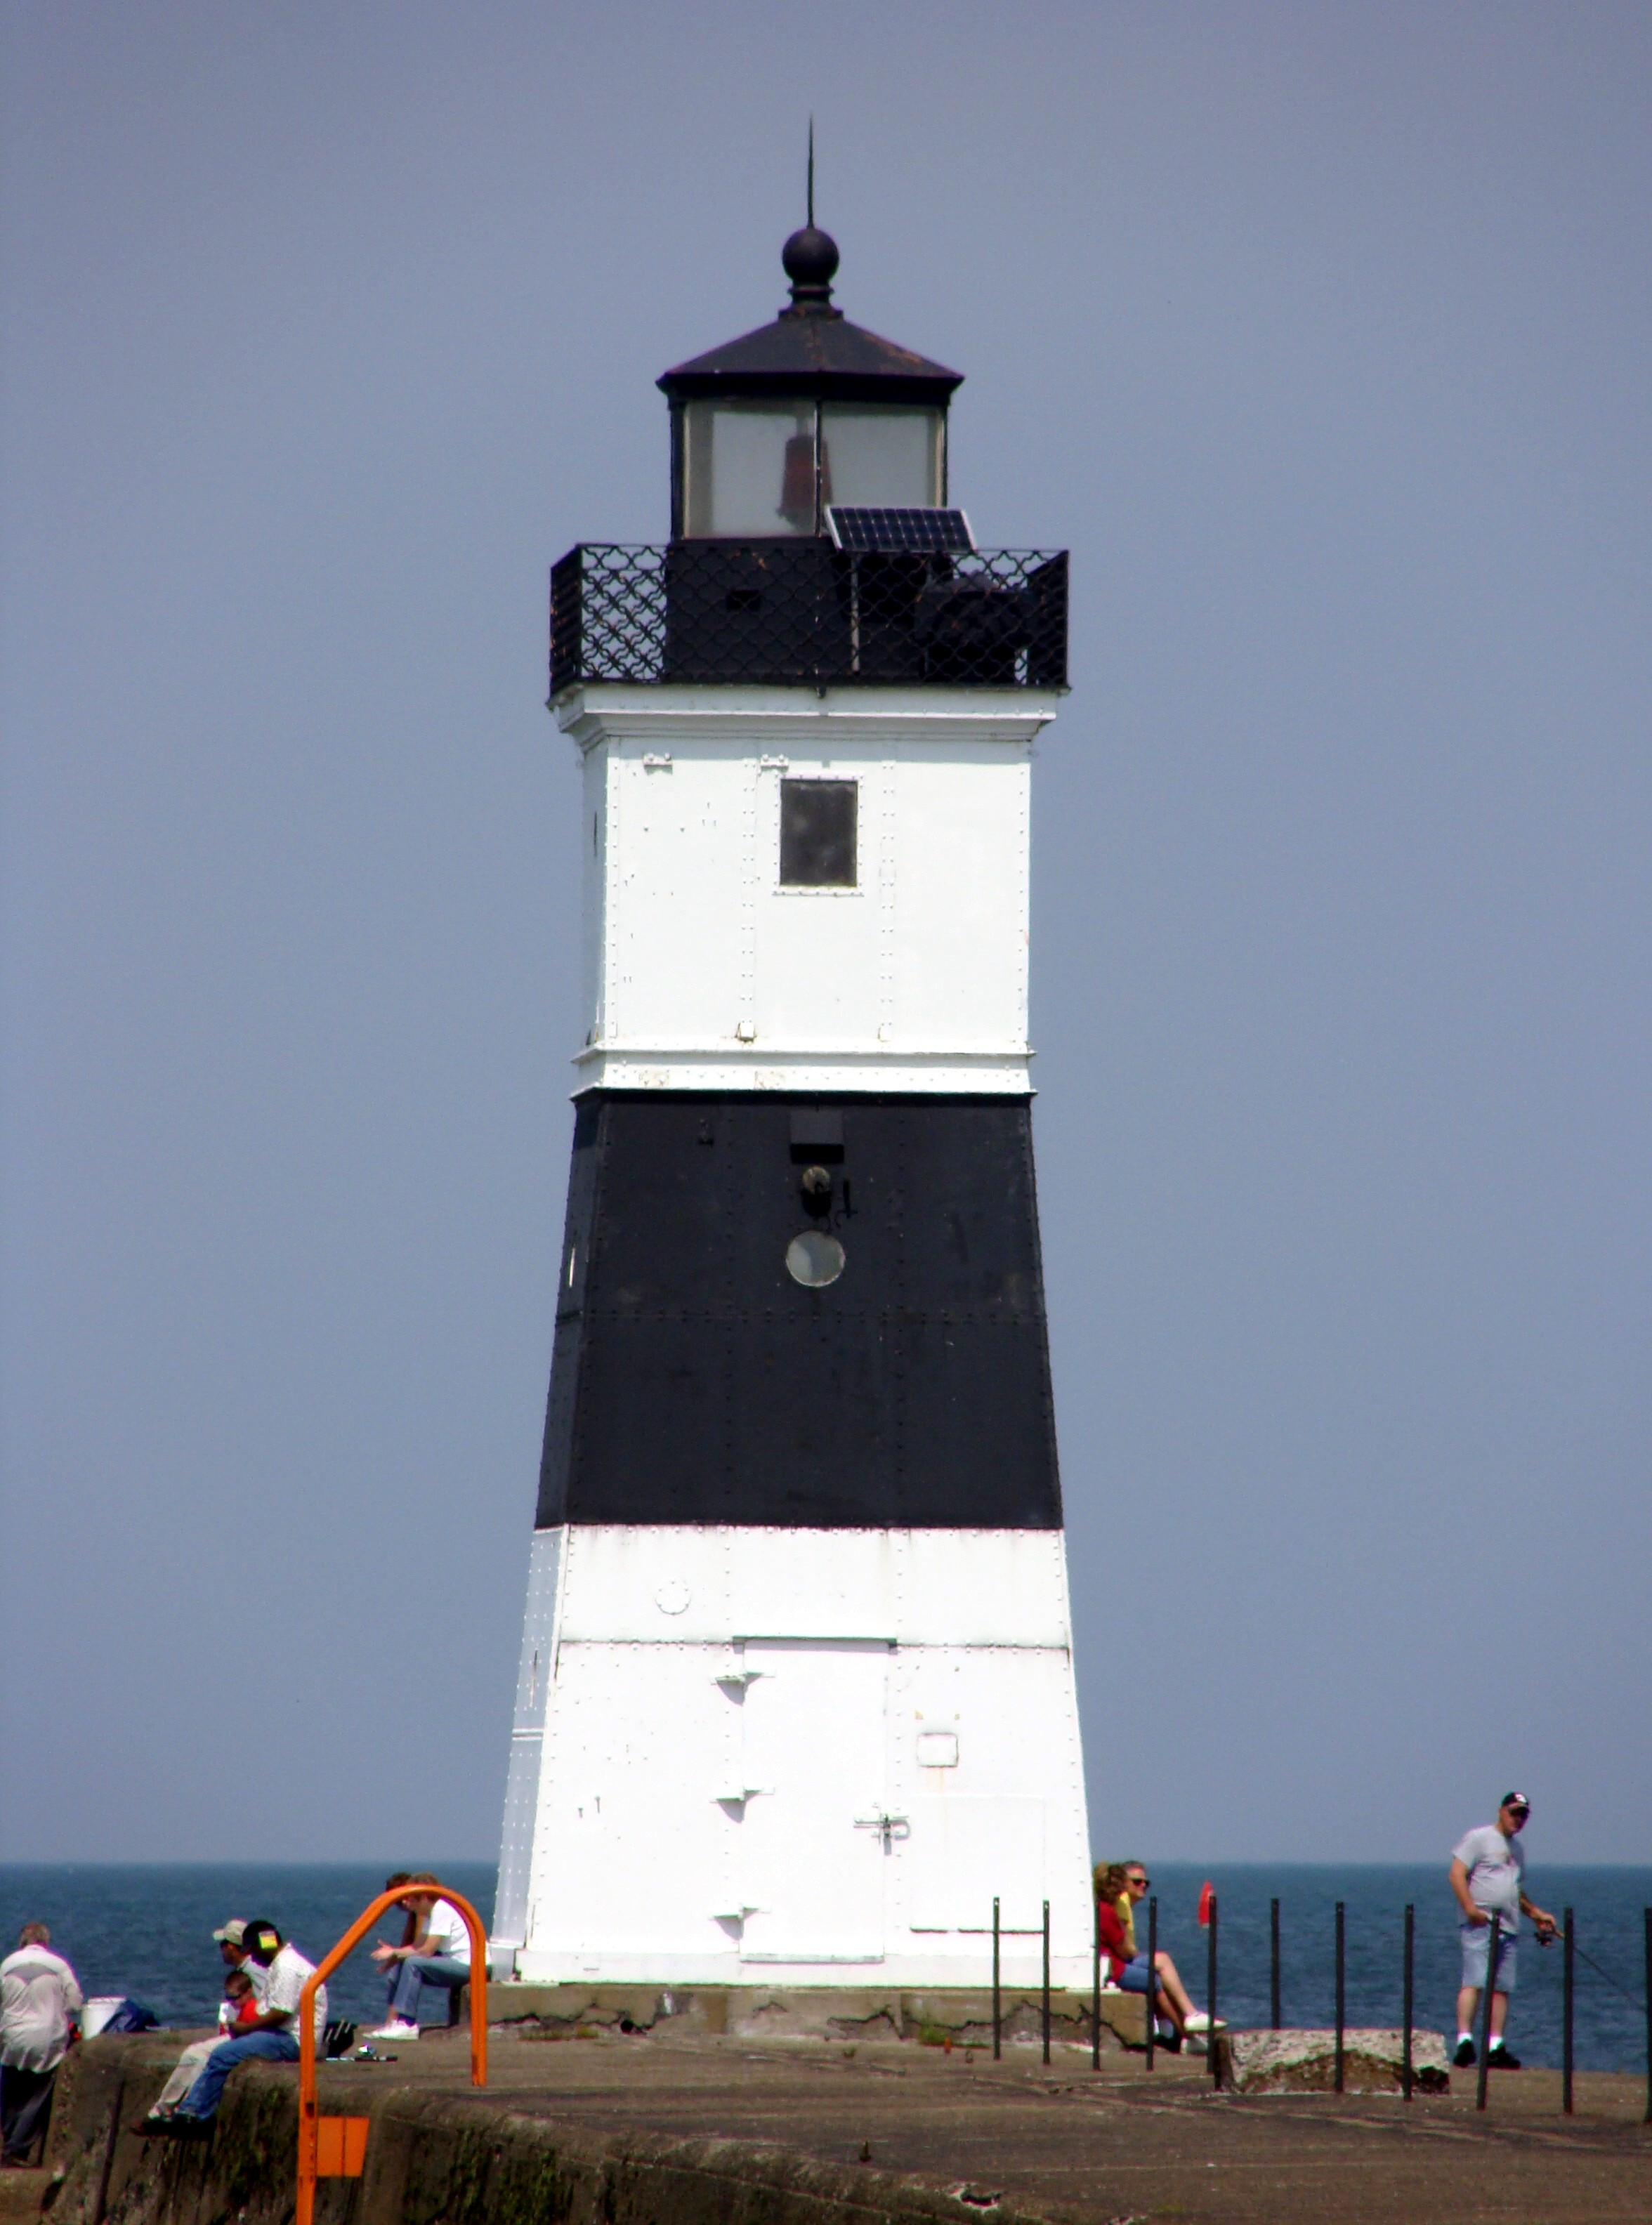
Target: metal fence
{"x":802,"y":612}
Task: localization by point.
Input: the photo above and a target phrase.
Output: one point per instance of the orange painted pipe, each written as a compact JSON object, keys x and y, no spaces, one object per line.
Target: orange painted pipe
{"x":308,"y":2136}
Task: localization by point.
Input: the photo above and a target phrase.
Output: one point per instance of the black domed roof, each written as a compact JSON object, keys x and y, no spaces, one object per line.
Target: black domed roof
{"x":812,"y":348}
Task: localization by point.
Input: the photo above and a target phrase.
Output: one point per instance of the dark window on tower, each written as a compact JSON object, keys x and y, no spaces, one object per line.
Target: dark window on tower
{"x":818,"y":833}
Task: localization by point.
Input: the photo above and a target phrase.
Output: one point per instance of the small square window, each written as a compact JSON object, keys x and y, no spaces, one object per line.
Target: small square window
{"x":817,"y":832}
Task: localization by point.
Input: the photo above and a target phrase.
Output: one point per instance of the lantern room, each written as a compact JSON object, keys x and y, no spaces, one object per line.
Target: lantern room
{"x":813,"y":542}
{"x":771,"y":430}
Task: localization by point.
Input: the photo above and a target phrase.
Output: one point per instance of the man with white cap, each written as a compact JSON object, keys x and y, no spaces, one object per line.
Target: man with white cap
{"x":231,"y":1947}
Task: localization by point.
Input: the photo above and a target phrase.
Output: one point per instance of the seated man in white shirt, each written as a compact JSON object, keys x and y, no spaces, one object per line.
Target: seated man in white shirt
{"x":437,"y":1952}
{"x":271,"y":2036}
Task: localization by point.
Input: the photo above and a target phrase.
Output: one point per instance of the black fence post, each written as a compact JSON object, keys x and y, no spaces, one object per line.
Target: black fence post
{"x":1646,"y":1919}
{"x":1152,"y":1974}
{"x":1272,"y":1981}
{"x":997,"y":2021}
{"x":1342,"y":1987}
{"x":1410,"y":1996}
{"x":1491,"y":1960}
{"x":1209,"y":2036}
{"x":1095,"y":1993}
{"x":1568,"y":2003}
{"x":1046,"y":1981}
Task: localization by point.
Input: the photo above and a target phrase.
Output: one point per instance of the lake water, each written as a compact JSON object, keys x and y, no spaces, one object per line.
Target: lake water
{"x":146,"y":1930}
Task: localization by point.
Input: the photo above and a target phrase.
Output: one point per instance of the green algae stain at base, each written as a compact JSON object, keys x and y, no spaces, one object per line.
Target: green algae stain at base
{"x":467,"y":2178}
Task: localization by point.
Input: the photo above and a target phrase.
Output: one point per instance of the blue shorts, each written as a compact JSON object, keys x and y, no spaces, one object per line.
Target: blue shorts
{"x":1133,"y":1978}
{"x":1477,"y":1952}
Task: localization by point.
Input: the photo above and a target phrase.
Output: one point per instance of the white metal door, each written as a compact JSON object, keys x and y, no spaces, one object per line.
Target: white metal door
{"x":815,"y":1833}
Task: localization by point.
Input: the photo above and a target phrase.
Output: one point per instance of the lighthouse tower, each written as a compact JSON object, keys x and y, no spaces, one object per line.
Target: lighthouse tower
{"x":797,"y":1699}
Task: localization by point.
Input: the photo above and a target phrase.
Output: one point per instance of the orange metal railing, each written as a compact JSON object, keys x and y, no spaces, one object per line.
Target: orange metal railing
{"x":336,"y":2147}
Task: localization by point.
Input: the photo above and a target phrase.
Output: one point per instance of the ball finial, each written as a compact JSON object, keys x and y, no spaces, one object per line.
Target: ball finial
{"x":810,"y":260}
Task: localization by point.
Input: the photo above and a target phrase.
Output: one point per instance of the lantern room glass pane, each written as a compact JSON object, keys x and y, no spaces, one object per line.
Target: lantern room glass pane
{"x":748,"y":469}
{"x":881,"y":453}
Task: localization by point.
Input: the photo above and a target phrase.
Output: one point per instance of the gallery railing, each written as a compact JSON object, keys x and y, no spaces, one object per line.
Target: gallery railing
{"x":791,"y":613}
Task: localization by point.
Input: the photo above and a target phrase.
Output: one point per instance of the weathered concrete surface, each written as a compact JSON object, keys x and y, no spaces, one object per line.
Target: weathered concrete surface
{"x":816,"y":2013}
{"x":1306,"y":2061}
{"x":697,"y":2131}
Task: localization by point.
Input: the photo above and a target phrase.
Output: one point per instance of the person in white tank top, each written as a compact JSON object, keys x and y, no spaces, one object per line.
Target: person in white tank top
{"x":434,"y":1950}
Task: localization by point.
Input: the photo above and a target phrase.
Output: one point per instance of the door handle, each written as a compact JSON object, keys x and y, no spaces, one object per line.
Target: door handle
{"x":889,"y":1828}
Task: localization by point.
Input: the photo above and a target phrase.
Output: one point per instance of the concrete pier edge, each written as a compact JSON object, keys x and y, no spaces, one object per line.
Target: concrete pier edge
{"x":686,"y":2128}
{"x":438,"y":2159}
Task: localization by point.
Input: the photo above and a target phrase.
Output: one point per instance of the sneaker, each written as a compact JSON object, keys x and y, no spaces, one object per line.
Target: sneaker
{"x":395,"y":2030}
{"x":155,"y":2125}
{"x":1498,"y":2058}
{"x":1464,"y":2055}
{"x":1200,"y":2022}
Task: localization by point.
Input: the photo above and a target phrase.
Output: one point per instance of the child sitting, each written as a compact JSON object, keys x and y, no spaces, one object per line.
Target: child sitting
{"x":239,"y":2005}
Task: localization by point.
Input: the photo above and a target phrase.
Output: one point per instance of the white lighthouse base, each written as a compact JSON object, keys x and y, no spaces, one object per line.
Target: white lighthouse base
{"x":804,"y":1757}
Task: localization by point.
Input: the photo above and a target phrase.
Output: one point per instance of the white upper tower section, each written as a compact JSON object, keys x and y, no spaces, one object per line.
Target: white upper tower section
{"x":807,"y":725}
{"x":796,"y":889}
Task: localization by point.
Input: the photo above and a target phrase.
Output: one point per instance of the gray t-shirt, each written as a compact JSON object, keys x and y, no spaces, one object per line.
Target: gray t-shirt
{"x":1496,"y":1868}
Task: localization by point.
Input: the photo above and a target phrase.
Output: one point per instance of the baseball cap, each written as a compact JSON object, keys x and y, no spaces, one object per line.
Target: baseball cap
{"x":232,"y":1933}
{"x":1514,"y":1800}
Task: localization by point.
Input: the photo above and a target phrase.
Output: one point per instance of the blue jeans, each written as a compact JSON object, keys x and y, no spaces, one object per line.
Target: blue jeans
{"x":202,"y":2099}
{"x":1133,"y":1978}
{"x":423,"y":1970}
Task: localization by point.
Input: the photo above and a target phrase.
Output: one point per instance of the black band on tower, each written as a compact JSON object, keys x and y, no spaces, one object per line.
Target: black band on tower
{"x":697,"y":1380}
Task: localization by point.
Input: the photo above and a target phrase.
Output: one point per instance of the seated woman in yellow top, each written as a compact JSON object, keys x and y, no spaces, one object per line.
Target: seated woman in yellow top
{"x":1119,"y":1887}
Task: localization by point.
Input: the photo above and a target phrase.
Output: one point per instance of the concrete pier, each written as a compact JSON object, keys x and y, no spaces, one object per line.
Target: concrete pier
{"x":589,"y":2126}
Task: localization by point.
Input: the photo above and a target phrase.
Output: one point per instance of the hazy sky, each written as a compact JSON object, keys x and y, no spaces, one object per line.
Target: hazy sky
{"x":1320,"y":334}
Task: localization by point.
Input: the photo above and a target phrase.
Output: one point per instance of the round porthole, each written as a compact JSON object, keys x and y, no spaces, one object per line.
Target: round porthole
{"x":814,"y":1259}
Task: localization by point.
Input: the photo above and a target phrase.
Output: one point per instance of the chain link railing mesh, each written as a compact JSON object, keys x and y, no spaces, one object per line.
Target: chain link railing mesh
{"x":786,"y":613}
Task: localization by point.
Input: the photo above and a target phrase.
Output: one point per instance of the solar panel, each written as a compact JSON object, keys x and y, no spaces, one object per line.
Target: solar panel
{"x":918,"y":532}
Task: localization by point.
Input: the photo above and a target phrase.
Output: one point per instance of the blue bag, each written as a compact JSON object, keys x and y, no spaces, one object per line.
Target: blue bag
{"x":132,"y":2016}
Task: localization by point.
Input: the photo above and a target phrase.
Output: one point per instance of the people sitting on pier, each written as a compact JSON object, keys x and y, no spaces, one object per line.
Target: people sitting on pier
{"x":433,"y":1950}
{"x":277,"y":1973}
{"x":239,"y":2006}
{"x":1119,"y":1887}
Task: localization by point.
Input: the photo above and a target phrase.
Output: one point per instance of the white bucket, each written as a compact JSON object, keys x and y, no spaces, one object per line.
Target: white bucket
{"x":96,"y":2013}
